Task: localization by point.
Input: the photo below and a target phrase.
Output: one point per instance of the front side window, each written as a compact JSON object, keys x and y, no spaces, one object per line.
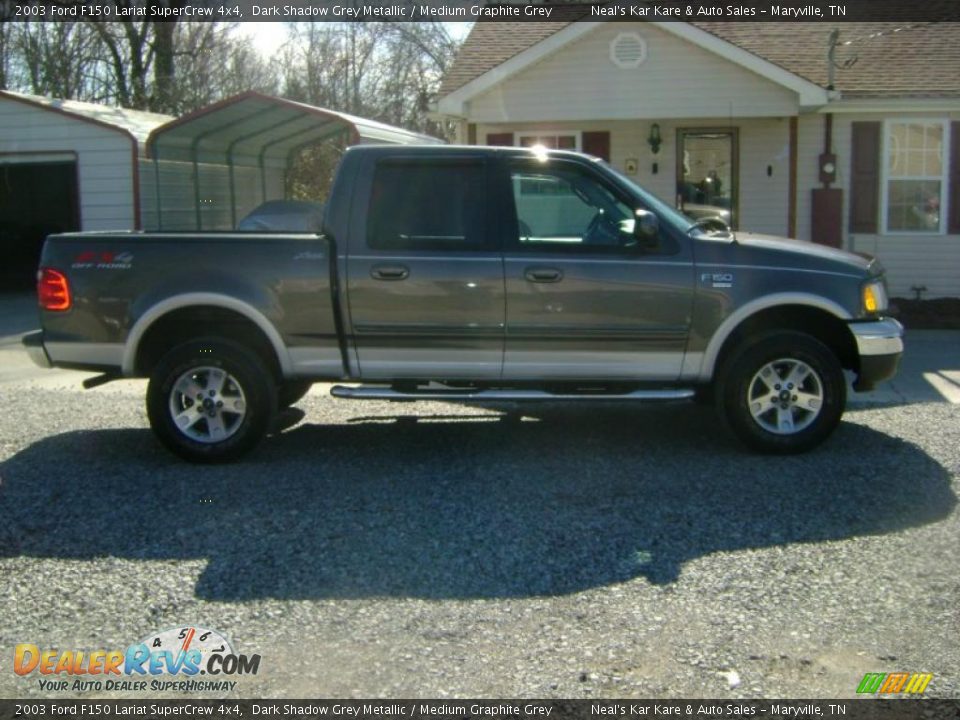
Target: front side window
{"x":915,"y":176}
{"x":561,"y":207}
{"x":424,"y":205}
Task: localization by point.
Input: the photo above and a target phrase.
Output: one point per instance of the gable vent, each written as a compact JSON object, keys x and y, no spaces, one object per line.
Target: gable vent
{"x":628,"y":50}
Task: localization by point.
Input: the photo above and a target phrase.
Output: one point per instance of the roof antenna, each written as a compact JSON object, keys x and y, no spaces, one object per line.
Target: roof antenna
{"x":832,"y":64}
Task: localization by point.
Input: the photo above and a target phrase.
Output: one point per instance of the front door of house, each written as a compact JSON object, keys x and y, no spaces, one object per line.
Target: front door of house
{"x":707,"y":173}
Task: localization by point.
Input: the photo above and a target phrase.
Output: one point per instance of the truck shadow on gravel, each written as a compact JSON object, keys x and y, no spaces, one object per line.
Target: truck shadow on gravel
{"x":543,"y":501}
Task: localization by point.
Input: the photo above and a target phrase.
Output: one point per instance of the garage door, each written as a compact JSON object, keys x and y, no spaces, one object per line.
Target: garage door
{"x":38,"y":196}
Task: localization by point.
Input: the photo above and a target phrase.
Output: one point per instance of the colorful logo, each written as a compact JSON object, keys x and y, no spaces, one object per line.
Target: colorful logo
{"x":102,"y":260}
{"x":893,"y":683}
{"x":185,"y":652}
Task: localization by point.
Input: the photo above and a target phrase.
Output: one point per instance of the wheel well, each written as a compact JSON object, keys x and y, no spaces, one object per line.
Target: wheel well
{"x":826,"y":327}
{"x":188,"y":323}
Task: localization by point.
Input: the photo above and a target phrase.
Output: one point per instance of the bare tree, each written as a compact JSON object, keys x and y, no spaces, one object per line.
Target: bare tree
{"x":57,"y":59}
{"x":141,"y":61}
{"x":5,"y":45}
{"x":214,"y":61}
{"x":386,"y":71}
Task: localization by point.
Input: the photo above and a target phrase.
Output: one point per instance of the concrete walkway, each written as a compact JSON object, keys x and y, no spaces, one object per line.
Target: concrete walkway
{"x":930,"y":371}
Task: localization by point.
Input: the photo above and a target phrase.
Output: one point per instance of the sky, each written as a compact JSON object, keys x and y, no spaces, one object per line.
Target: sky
{"x":269,"y":36}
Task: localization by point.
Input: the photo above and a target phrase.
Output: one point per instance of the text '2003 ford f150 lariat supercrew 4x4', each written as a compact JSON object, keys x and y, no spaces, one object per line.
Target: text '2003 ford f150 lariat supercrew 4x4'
{"x":466,"y":273}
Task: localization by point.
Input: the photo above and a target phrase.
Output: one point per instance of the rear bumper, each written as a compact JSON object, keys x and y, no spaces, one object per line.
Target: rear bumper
{"x":33,"y":344}
{"x":880,"y":347}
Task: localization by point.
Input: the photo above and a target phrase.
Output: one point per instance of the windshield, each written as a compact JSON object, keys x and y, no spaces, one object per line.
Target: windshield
{"x":666,"y":213}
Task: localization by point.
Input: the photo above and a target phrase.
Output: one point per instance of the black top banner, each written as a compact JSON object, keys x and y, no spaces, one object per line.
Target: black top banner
{"x":512,"y":709}
{"x":827,"y":11}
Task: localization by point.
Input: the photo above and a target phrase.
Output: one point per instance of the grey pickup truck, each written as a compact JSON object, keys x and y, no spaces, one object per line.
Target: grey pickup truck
{"x":470,"y":274}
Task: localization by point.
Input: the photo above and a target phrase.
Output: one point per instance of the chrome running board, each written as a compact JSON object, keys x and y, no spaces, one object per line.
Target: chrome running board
{"x":385,"y":393}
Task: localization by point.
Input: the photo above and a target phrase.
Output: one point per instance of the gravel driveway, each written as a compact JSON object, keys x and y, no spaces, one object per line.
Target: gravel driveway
{"x":438,"y":550}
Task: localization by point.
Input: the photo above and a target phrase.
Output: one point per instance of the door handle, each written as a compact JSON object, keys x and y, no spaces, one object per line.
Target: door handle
{"x":389,"y":272}
{"x":543,"y":274}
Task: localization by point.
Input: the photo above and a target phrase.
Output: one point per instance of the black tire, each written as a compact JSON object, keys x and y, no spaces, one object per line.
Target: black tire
{"x":704,"y":395}
{"x":770,"y":414}
{"x":186,"y":380}
{"x":291,"y":391}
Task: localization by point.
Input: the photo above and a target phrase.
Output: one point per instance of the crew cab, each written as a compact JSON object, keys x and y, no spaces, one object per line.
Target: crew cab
{"x":470,"y":274}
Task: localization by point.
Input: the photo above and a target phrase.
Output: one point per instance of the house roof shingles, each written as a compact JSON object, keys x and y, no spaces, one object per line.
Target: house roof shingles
{"x":490,"y":44}
{"x":893,"y":60}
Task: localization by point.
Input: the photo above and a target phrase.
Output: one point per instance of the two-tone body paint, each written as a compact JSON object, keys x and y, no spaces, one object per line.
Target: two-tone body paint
{"x":736,"y":279}
{"x":639,"y":316}
{"x":478,"y":316}
{"x":417,"y":314}
{"x":280,"y":282}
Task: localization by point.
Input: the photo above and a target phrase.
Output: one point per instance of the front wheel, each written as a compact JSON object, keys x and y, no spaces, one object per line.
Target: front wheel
{"x":784,"y":393}
{"x":210,"y":400}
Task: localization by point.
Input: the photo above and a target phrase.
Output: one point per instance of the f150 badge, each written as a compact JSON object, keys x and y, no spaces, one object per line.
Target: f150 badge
{"x":717,"y":280}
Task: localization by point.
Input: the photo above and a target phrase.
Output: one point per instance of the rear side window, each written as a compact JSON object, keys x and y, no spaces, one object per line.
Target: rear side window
{"x":424,"y":205}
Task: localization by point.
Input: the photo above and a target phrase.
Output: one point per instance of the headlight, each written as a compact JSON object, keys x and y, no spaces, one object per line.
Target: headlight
{"x":874,"y":297}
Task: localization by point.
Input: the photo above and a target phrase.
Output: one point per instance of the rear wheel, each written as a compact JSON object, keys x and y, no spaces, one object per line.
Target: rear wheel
{"x":210,"y":400}
{"x":784,"y":393}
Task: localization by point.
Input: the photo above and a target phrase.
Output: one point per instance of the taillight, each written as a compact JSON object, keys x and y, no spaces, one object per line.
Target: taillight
{"x":53,"y":290}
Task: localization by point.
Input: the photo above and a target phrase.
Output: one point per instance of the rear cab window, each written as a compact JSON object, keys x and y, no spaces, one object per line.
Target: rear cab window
{"x":429,"y":205}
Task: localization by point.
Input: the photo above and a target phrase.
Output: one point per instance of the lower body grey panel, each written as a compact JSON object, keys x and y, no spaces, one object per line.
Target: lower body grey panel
{"x":79,"y":353}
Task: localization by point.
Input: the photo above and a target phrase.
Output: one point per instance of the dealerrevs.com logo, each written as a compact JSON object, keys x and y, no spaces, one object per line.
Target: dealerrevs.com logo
{"x":187,"y":659}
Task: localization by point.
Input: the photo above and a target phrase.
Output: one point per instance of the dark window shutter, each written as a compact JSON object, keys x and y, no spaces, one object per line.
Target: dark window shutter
{"x":502,"y":139}
{"x":865,"y":177}
{"x":953,"y":181}
{"x":597,"y":144}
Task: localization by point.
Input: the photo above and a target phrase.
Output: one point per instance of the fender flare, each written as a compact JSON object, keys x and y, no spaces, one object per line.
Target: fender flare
{"x":178,"y":302}
{"x":735,"y":319}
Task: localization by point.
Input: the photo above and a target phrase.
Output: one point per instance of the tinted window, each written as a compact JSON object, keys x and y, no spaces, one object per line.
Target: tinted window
{"x":416,"y":205}
{"x":561,"y":207}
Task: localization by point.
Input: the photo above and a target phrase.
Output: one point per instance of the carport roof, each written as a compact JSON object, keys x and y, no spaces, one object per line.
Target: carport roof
{"x":257,"y":126}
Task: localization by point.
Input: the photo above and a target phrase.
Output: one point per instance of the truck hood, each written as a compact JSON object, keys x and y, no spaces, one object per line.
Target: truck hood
{"x":807,"y":255}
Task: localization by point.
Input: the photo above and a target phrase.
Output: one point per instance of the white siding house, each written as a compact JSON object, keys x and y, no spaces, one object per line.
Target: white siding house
{"x":738,"y":119}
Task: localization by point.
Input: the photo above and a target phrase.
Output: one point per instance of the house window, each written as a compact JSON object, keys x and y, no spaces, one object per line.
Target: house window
{"x":915,"y":180}
{"x":550,"y":140}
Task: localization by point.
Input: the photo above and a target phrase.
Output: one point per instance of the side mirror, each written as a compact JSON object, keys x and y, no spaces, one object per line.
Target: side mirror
{"x":713,"y":222}
{"x":646,"y":228}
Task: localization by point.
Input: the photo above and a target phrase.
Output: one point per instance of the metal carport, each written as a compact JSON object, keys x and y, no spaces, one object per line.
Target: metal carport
{"x":212,"y":166}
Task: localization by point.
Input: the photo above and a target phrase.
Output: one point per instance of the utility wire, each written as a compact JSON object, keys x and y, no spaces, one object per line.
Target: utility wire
{"x":884,"y":33}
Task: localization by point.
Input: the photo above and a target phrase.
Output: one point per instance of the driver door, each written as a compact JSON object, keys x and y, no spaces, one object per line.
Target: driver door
{"x":584,"y":300}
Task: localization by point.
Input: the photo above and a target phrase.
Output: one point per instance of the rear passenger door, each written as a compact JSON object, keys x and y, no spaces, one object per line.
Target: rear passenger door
{"x":424,"y":277}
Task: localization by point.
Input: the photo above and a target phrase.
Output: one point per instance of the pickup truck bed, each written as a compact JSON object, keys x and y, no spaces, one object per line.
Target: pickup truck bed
{"x":187,"y":277}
